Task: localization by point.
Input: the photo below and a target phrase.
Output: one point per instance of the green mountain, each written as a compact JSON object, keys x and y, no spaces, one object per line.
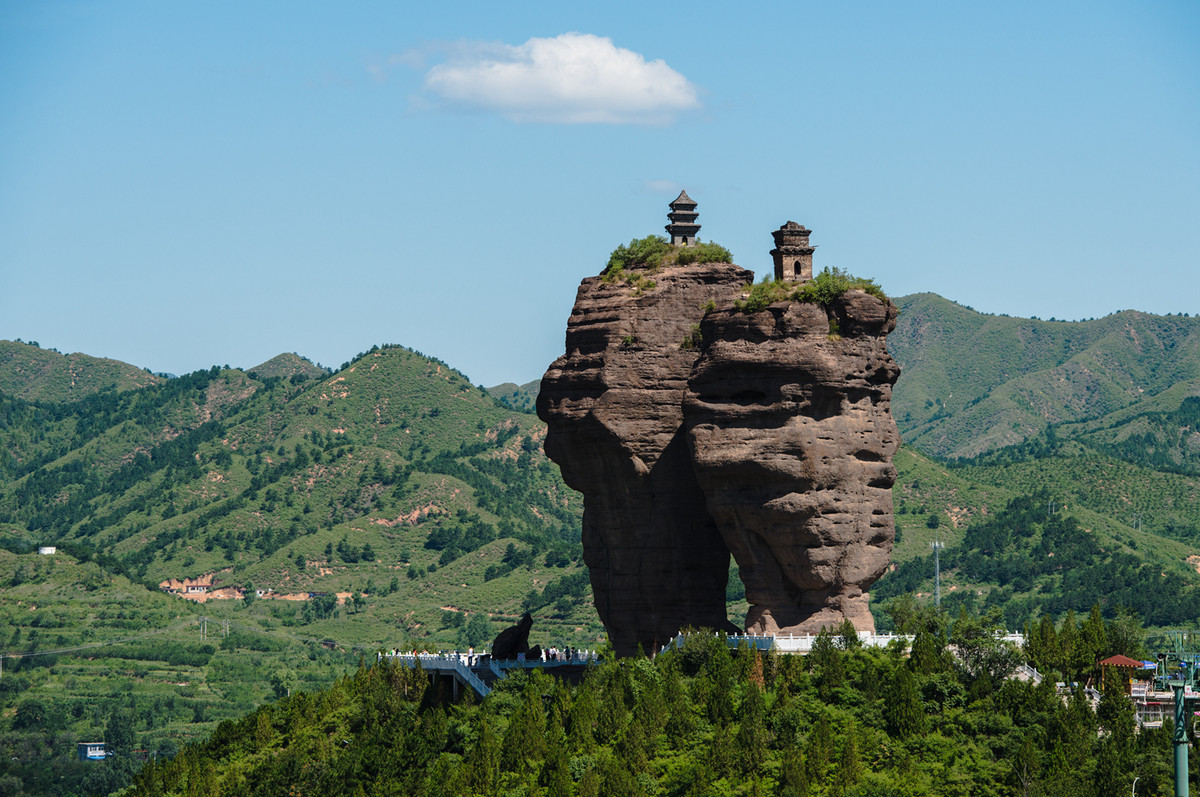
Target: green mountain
{"x":389,"y":504}
{"x":30,"y":372}
{"x":285,"y":484}
{"x":1095,"y":421}
{"x":394,"y":504}
{"x":972,"y":383}
{"x":288,"y":366}
{"x":518,"y":397}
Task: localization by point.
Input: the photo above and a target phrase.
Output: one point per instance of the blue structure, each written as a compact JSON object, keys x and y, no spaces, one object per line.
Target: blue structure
{"x":92,"y":751}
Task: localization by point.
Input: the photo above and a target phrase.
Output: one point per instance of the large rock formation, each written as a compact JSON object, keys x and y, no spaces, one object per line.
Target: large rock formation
{"x":764,"y":435}
{"x":792,"y":441}
{"x":614,"y":407}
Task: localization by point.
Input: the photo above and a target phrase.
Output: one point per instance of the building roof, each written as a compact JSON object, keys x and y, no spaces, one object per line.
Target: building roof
{"x":684,"y":199}
{"x":1121,"y":661}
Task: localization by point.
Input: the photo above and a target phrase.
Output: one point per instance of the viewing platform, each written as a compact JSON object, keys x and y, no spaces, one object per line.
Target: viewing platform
{"x":480,"y":672}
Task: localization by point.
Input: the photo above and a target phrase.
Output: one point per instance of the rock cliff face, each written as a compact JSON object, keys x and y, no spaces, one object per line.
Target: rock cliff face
{"x":614,"y":407}
{"x":792,"y":440}
{"x":769,"y":438}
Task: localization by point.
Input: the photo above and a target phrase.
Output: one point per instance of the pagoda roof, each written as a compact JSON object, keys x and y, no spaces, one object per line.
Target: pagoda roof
{"x":683,"y":199}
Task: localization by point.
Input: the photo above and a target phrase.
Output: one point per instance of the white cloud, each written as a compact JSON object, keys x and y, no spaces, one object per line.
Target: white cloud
{"x":575,"y":78}
{"x":660,"y":186}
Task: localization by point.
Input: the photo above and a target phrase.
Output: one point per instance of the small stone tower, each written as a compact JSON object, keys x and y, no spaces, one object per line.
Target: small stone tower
{"x":683,"y":226}
{"x":792,"y":253}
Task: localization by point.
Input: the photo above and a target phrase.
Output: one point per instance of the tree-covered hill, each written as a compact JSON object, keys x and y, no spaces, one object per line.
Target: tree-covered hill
{"x":705,"y":720}
{"x":394,"y":504}
{"x":518,"y":397}
{"x":972,"y":382}
{"x":389,"y":504}
{"x":30,"y":372}
{"x":288,"y":365}
{"x":368,"y":480}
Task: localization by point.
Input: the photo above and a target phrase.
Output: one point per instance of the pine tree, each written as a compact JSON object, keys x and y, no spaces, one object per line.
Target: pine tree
{"x":483,"y":760}
{"x":582,"y":719}
{"x":849,"y":767}
{"x":902,"y":708}
{"x":818,"y":751}
{"x":752,"y":732}
{"x":826,"y":661}
{"x":1092,"y":641}
{"x":793,"y":778}
{"x":555,"y":776}
{"x":525,"y":738}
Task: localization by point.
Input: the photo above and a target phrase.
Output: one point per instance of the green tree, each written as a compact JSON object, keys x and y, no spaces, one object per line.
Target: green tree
{"x":752,"y":736}
{"x":1115,"y":752}
{"x":119,"y":737}
{"x":902,"y":708}
{"x":984,"y":659}
{"x":524,"y":740}
{"x":793,"y":780}
{"x":928,"y":652}
{"x":1092,"y":642}
{"x":818,"y":751}
{"x":848,"y":636}
{"x":1125,"y":635}
{"x":478,"y":631}
{"x":827,"y":663}
{"x":849,"y":766}
{"x":483,"y":759}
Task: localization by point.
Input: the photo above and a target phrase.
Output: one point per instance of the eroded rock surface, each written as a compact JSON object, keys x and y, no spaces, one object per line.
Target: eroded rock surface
{"x":792,"y":440}
{"x":614,"y":407}
{"x":770,"y":439}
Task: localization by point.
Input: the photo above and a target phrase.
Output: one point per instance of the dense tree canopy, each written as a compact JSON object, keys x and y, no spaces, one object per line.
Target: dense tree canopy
{"x":698,"y":719}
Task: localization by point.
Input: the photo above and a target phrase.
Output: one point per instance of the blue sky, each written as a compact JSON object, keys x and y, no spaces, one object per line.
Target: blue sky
{"x":194,"y":183}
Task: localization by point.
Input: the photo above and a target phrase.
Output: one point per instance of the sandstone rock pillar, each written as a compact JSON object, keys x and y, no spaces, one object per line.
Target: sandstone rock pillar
{"x":613,"y":405}
{"x":791,"y":435}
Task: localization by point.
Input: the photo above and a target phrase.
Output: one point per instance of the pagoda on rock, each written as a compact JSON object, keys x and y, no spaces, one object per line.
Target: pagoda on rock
{"x":683,"y":226}
{"x":792,"y":253}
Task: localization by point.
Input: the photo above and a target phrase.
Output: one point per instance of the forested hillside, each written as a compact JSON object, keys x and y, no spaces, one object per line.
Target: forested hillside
{"x":388,"y":469}
{"x":704,"y":720}
{"x":389,"y":504}
{"x":394,"y":504}
{"x":972,"y":382}
{"x":30,"y":372}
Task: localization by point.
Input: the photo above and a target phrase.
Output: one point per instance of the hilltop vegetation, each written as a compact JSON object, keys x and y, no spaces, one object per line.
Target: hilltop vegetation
{"x":972,"y":383}
{"x":517,"y":397}
{"x":30,"y":372}
{"x":700,"y":719}
{"x":288,"y":366}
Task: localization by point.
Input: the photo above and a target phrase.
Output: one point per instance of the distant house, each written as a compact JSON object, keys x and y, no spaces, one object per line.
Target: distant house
{"x":201,"y":585}
{"x":47,"y":550}
{"x":92,"y":751}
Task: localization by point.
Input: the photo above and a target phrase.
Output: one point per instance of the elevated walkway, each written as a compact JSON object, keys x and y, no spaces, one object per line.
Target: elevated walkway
{"x":480,"y":673}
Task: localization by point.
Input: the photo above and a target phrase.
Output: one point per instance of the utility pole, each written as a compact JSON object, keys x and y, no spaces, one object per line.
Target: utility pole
{"x":203,"y":628}
{"x":937,"y":546}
